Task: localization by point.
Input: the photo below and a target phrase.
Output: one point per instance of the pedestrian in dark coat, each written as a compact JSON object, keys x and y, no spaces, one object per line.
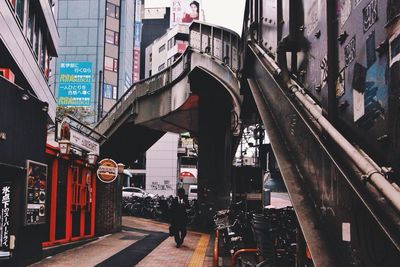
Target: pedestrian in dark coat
{"x":178,"y":220}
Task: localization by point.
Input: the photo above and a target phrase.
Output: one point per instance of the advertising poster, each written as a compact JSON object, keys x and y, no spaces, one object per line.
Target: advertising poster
{"x":75,"y":84}
{"x":5,"y":192}
{"x":184,"y":11}
{"x":36,"y":182}
{"x":137,"y":41}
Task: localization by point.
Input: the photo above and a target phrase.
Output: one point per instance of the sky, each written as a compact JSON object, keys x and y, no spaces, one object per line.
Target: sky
{"x":226,"y":13}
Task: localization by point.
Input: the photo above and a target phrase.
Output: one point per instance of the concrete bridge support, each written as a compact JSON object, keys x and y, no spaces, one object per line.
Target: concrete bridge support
{"x":214,"y":159}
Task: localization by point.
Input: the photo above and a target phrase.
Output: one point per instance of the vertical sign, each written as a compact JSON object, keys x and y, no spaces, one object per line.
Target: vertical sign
{"x":137,"y":41}
{"x":36,"y":182}
{"x":184,"y":11}
{"x":75,"y":84}
{"x":5,"y":192}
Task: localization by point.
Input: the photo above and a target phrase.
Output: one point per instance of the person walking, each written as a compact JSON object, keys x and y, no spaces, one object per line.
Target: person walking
{"x":178,"y":220}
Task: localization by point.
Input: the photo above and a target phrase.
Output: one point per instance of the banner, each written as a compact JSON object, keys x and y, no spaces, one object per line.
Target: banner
{"x":137,"y":40}
{"x":75,"y":84}
{"x":5,"y":192}
{"x":184,"y":11}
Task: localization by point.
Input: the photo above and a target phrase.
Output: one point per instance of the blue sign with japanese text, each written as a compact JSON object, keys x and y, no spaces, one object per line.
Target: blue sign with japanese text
{"x":75,"y":84}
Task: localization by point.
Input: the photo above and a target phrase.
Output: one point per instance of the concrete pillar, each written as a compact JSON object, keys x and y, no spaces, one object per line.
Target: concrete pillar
{"x":214,"y":158}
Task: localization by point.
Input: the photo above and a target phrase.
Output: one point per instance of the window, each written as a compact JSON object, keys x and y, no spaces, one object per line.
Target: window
{"x":127,"y":190}
{"x":31,"y":24}
{"x":112,"y":10}
{"x":151,"y":57}
{"x":161,"y":67}
{"x":111,"y":64}
{"x":19,"y":9}
{"x":43,"y":52}
{"x":115,"y":65}
{"x":149,"y":73}
{"x":162,"y":48}
{"x":36,"y":39}
{"x":112,"y":37}
{"x":169,"y":44}
{"x":109,"y":91}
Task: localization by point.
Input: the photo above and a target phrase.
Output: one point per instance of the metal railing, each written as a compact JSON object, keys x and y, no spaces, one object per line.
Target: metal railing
{"x":220,"y":43}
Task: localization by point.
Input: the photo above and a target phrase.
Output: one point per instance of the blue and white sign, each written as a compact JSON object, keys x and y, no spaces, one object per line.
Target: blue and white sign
{"x":138,"y":34}
{"x":75,"y":84}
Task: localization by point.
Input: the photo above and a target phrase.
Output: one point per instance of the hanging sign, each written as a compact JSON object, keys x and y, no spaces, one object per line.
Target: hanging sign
{"x":107,"y":171}
{"x":5,"y":192}
{"x":36,"y":182}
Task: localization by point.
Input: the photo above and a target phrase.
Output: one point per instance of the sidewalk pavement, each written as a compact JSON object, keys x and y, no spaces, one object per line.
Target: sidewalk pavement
{"x":120,"y":248}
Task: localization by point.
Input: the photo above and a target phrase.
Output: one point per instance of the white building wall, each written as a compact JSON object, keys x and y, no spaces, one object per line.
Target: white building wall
{"x":161,"y":166}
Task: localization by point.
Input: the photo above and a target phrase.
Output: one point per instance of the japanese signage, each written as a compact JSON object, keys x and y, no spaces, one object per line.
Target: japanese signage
{"x":77,"y":139}
{"x":75,"y":84}
{"x":84,"y":142}
{"x":184,"y":11}
{"x":137,"y":40}
{"x":107,"y":171}
{"x":5,"y":191}
{"x":36,"y":183}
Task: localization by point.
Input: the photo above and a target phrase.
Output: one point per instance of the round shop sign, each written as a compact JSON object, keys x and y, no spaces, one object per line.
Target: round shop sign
{"x":107,"y":171}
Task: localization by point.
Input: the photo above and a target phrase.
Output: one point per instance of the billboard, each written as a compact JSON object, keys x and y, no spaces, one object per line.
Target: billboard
{"x":184,"y":11}
{"x":137,"y":40}
{"x":75,"y":84}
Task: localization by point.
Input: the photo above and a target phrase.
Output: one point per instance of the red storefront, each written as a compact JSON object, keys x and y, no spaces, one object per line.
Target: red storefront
{"x":71,"y":196}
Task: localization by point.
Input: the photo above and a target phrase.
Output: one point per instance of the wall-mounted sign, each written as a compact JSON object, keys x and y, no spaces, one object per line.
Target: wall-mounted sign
{"x":75,"y":84}
{"x":36,"y":182}
{"x":107,"y":171}
{"x":85,"y":143}
{"x":77,"y":139}
{"x":5,"y":193}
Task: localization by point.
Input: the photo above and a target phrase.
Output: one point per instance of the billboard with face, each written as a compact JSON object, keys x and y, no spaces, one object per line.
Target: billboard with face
{"x":184,"y":11}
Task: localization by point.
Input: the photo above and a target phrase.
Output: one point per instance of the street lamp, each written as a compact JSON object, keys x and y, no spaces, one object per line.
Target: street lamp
{"x":121,"y":168}
{"x":92,"y":158}
{"x":65,"y":146}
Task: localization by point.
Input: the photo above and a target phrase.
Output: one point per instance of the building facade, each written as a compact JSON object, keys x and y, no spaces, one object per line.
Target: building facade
{"x":162,"y":166}
{"x":28,"y":41}
{"x":166,"y":49}
{"x":155,"y":23}
{"x":98,"y":34}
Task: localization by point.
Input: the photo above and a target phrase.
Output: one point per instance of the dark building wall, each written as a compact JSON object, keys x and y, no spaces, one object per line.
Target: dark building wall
{"x":151,"y":30}
{"x":108,"y":207}
{"x":24,"y":123}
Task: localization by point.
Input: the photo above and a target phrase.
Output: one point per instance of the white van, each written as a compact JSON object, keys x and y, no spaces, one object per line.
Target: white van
{"x":192,"y":193}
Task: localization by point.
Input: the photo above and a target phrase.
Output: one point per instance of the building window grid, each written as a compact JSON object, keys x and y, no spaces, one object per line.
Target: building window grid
{"x":33,"y":32}
{"x":112,"y":10}
{"x":112,"y":37}
{"x":110,"y":64}
{"x":110,"y":91}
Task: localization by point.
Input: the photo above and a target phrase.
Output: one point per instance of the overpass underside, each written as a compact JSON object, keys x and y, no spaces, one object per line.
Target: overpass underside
{"x":199,"y":94}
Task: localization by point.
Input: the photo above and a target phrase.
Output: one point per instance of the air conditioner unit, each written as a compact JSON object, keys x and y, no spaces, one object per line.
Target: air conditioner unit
{"x":8,"y":74}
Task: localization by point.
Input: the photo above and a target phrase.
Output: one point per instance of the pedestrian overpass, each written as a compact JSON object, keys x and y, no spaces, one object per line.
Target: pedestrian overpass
{"x":205,"y":92}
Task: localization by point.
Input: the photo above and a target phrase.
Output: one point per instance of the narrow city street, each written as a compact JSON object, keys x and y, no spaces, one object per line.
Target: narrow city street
{"x":174,"y":133}
{"x":143,"y":243}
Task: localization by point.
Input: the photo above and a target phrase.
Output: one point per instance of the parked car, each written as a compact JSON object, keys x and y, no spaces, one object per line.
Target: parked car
{"x":135,"y":192}
{"x":192,"y":193}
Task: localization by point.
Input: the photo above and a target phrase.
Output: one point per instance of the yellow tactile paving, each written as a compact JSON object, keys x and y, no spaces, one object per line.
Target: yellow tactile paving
{"x":197,"y":259}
